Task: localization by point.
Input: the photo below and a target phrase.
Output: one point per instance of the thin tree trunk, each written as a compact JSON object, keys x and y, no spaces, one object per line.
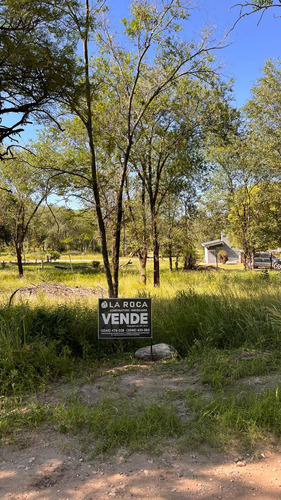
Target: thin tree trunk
{"x":143,"y":252}
{"x":170,"y":258}
{"x":95,"y":186}
{"x":156,"y":274}
{"x":118,"y":228}
{"x":143,"y":261}
{"x":19,"y":260}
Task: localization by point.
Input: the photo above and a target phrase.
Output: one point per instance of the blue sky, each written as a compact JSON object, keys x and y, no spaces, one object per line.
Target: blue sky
{"x":250,"y":43}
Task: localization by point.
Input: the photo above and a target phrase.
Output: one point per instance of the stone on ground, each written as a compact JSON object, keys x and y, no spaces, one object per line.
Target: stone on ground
{"x":159,"y":351}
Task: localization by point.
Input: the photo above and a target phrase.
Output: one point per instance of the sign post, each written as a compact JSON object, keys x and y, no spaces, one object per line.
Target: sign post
{"x":124,"y":319}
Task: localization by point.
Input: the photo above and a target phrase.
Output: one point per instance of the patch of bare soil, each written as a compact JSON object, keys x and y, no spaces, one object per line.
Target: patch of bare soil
{"x":46,"y":465}
{"x":45,"y":471}
{"x":58,"y":291}
{"x":262,"y":383}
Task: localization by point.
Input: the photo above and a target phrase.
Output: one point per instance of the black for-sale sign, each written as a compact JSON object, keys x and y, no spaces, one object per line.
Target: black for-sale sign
{"x":124,"y":318}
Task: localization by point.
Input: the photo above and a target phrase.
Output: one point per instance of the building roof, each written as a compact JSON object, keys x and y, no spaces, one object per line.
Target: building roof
{"x":213,"y":243}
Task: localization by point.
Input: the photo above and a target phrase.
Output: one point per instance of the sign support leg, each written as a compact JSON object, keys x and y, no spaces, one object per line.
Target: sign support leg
{"x":151,"y":352}
{"x":99,"y":350}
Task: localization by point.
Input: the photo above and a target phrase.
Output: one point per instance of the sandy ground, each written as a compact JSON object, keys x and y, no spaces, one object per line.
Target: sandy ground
{"x":46,"y":465}
{"x":40,"y":472}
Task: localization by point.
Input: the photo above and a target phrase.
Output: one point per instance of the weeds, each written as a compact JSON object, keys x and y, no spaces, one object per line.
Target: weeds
{"x":220,"y":368}
{"x":228,"y":323}
{"x":15,"y":416}
{"x":115,"y":423}
{"x":238,"y":418}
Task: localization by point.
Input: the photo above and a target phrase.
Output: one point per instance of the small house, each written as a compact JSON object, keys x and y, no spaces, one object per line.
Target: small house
{"x":212,"y":248}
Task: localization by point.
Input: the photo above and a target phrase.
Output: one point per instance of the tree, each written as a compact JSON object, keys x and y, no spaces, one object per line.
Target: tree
{"x":136,"y":205}
{"x":239,"y":175}
{"x":168,"y":154}
{"x":264,"y":227}
{"x":22,"y":192}
{"x":263,"y":112}
{"x":117,"y":90}
{"x":249,"y":7}
{"x":37,"y":63}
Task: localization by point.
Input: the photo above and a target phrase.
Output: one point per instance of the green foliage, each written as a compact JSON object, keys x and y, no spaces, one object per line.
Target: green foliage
{"x":14,"y":416}
{"x":262,"y":111}
{"x":220,"y":368}
{"x":26,"y":364}
{"x":223,"y":256}
{"x":237,"y":417}
{"x":260,"y":4}
{"x":68,"y":327}
{"x":54,"y":255}
{"x":37,"y":56}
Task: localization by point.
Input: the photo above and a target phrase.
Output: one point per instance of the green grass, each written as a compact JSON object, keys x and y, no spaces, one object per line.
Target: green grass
{"x":226,"y":324}
{"x":15,"y":416}
{"x":243,"y":419}
{"x":191,"y":310}
{"x":26,"y":364}
{"x":222,"y":368}
{"x":119,"y":423}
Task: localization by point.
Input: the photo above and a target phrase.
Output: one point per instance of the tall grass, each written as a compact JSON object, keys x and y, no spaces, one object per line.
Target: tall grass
{"x":39,"y":340}
{"x":25,"y":362}
{"x":242,"y":417}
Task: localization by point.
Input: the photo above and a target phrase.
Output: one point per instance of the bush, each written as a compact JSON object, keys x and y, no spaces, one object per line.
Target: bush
{"x":54,"y":255}
{"x":96,"y":264}
{"x":223,"y":257}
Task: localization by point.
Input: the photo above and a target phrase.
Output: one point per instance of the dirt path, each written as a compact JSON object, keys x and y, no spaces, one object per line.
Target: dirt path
{"x":40,"y":472}
{"x":47,"y":465}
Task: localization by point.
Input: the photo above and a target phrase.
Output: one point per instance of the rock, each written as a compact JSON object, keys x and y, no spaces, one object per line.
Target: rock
{"x":159,"y":351}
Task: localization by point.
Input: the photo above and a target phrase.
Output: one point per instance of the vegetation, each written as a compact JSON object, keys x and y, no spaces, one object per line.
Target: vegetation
{"x":225,"y":324}
{"x":142,"y":131}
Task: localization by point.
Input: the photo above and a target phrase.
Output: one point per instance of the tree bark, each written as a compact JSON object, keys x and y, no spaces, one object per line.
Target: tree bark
{"x":143,"y":251}
{"x":170,"y":258}
{"x":19,"y":260}
{"x":156,"y":274}
{"x":118,"y":225}
{"x":188,"y":262}
{"x":143,"y":261}
{"x":95,"y":186}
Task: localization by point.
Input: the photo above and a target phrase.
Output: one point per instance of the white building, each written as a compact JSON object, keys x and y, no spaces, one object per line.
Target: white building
{"x":212,"y":248}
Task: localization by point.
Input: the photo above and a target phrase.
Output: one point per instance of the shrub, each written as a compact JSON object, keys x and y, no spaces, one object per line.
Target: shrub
{"x":54,"y":255}
{"x":223,"y":257}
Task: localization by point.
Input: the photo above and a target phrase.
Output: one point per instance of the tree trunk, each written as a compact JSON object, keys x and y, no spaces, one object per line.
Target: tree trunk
{"x":188,"y":262}
{"x":143,"y":261}
{"x":170,"y":258}
{"x":177,"y":263}
{"x":248,"y":260}
{"x":19,"y":260}
{"x":156,"y":274}
{"x":143,"y":251}
{"x":95,"y":185}
{"x":118,"y":228}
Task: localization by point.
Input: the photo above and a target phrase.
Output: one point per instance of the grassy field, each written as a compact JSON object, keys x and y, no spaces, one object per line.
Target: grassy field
{"x":225,"y":324}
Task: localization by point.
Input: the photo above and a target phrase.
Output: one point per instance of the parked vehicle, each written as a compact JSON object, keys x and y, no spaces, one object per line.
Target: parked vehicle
{"x":266,"y":260}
